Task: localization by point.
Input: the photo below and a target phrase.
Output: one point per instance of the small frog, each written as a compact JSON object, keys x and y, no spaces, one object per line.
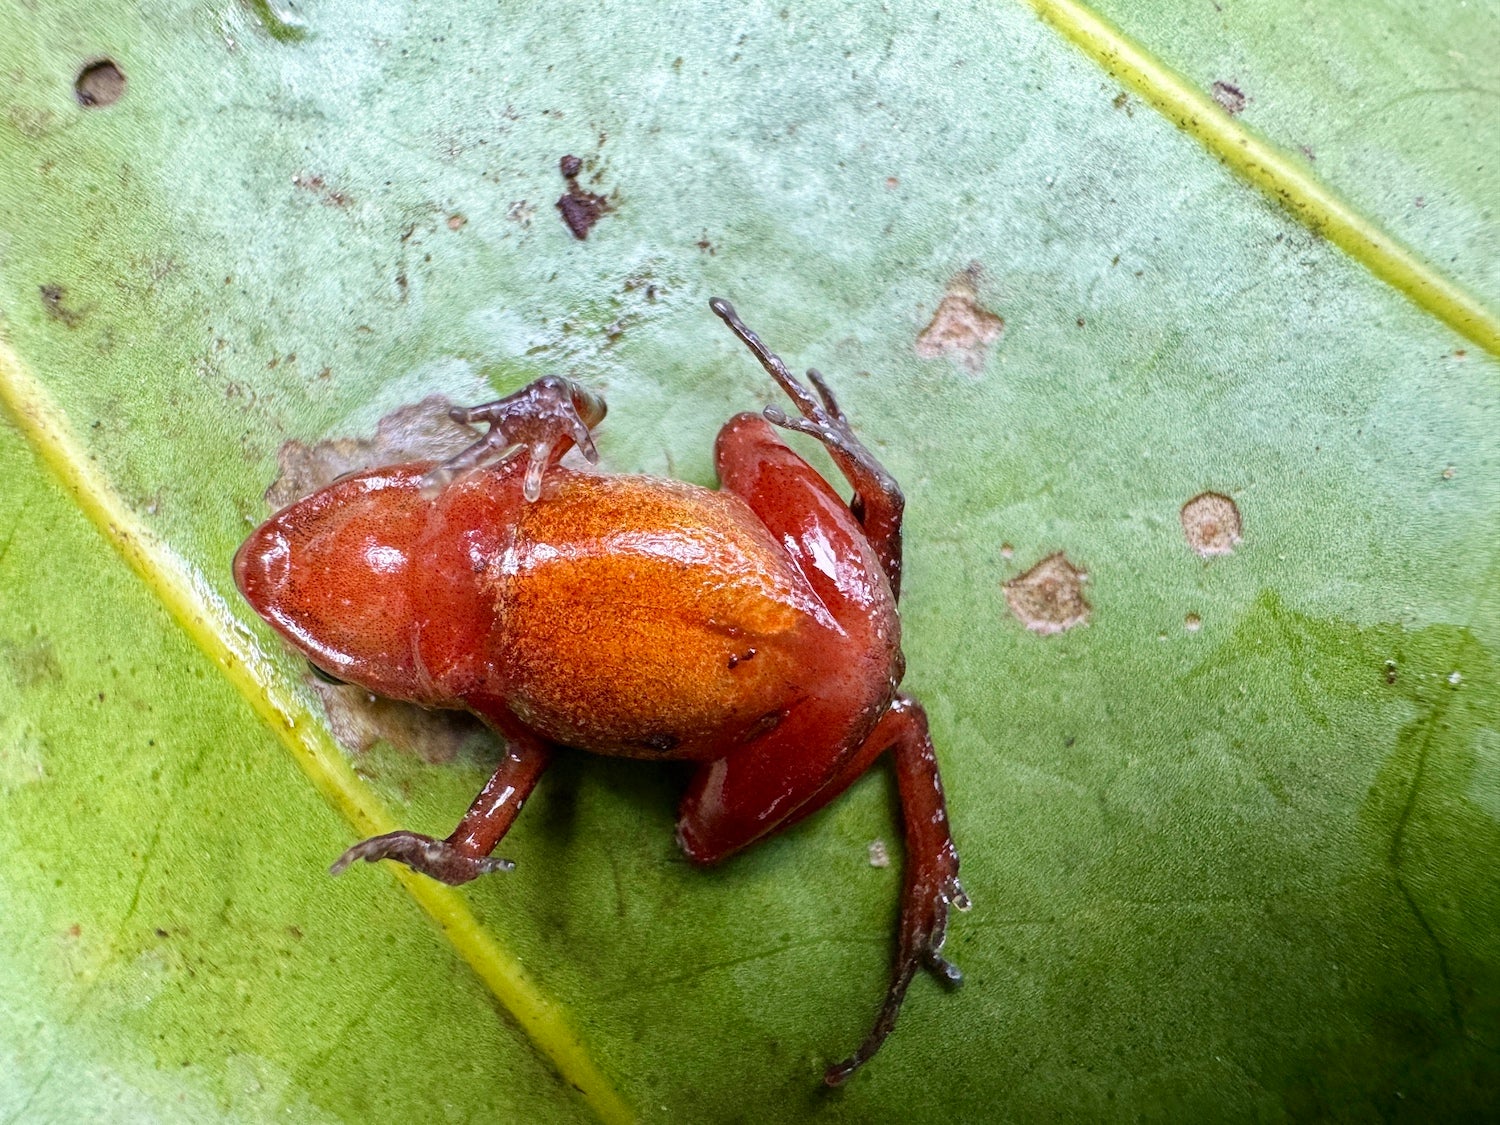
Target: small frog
{"x":752,"y":629}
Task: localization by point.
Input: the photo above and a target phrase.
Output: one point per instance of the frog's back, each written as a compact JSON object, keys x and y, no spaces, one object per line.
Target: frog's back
{"x":649,"y":618}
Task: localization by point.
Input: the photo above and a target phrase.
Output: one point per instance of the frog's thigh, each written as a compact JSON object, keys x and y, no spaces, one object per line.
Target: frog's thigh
{"x":770,"y":783}
{"x":786,"y":493}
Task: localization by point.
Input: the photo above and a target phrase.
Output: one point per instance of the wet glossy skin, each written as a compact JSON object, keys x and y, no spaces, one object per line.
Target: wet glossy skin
{"x":752,"y":629}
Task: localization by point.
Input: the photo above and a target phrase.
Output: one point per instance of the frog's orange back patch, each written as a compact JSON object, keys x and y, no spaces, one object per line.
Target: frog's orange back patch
{"x":656,"y":616}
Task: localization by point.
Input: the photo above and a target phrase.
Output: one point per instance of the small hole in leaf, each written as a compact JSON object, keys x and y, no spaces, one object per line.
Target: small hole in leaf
{"x":99,"y":84}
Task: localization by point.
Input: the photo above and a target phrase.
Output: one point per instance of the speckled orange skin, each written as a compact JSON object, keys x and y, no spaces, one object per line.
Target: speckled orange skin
{"x":751,"y":629}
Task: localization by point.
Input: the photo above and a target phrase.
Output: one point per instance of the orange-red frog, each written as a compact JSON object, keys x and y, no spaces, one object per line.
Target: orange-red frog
{"x":752,"y":630}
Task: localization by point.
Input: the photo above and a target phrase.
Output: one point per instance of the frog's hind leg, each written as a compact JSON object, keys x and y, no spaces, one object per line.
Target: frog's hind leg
{"x":878,"y":503}
{"x":465,"y":854}
{"x":931,"y":883}
{"x":713,"y":824}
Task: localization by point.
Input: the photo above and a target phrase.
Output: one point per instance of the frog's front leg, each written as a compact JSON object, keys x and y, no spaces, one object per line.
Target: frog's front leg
{"x":544,"y":418}
{"x":878,"y":503}
{"x":465,"y":854}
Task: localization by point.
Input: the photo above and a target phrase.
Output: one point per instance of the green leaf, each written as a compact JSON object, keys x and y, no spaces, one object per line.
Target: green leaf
{"x":1231,"y":844}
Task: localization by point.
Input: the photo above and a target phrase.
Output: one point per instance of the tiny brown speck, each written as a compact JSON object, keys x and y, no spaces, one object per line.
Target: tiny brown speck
{"x":1048,"y":598}
{"x":456,"y":222}
{"x":99,"y":84}
{"x":1211,"y":522}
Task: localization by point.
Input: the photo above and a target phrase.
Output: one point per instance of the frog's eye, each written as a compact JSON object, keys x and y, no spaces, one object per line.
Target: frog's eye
{"x":326,"y":677}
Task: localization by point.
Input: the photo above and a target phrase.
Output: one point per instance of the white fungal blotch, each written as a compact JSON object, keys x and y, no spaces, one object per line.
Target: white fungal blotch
{"x":879,"y":856}
{"x":1048,"y":598}
{"x":1211,"y":522}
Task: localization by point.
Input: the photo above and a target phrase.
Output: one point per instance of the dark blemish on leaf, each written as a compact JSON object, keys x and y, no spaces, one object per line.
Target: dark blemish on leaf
{"x":161,"y":933}
{"x":705,"y":246}
{"x":1230,"y":97}
{"x":1122,"y":101}
{"x":328,"y":196}
{"x":961,"y":328}
{"x":580,"y":209}
{"x":1211,"y":522}
{"x":99,"y":84}
{"x":54,"y":300}
{"x":1307,"y":152}
{"x":1048,"y":598}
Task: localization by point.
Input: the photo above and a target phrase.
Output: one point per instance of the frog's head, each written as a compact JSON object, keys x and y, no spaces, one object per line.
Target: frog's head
{"x":332,"y":574}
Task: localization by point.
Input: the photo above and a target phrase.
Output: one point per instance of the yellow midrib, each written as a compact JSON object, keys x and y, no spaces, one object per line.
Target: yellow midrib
{"x":1276,"y":172}
{"x":234,"y":649}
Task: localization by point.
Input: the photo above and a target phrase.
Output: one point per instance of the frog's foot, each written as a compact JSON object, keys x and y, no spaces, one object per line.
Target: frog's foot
{"x":924,"y":925}
{"x":437,"y":858}
{"x":878,"y":503}
{"x":544,"y":418}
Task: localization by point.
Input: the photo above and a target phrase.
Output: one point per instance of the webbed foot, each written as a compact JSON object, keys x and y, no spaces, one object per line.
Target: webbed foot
{"x":437,"y":858}
{"x":544,"y":418}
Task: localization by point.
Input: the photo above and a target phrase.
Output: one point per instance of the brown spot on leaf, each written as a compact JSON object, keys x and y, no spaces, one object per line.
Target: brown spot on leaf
{"x":328,"y":196}
{"x":1048,"y":598}
{"x":55,"y":301}
{"x":580,"y":208}
{"x":961,"y":328}
{"x":99,"y":83}
{"x":1211,"y":522}
{"x":1232,"y":98}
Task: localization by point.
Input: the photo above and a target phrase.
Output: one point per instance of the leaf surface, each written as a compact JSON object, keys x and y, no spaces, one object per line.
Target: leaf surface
{"x":1231,"y":844}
